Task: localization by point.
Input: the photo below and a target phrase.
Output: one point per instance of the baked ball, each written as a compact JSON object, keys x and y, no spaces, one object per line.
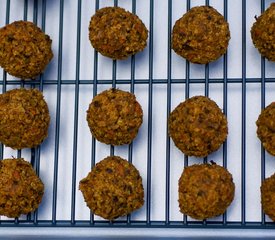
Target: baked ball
{"x":114,"y":117}
{"x":21,"y":190}
{"x":24,"y":118}
{"x":268,"y":196}
{"x":263,"y":33}
{"x":117,"y":33}
{"x":113,"y":188}
{"x":201,"y":35}
{"x":197,"y":126}
{"x":205,"y":191}
{"x":25,"y":50}
{"x":266,"y":128}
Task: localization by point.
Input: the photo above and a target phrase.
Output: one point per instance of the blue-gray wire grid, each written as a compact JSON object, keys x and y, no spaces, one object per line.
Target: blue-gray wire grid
{"x":33,"y":219}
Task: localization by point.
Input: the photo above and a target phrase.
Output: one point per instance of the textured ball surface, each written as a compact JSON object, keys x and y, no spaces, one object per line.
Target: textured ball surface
{"x":114,"y":117}
{"x":266,"y":128}
{"x":205,"y":191}
{"x":263,"y":33}
{"x":268,"y":196}
{"x":113,"y":188}
{"x":21,"y":190}
{"x":201,"y":35}
{"x":197,"y":126}
{"x":25,"y":50}
{"x":24,"y":118}
{"x":117,"y":33}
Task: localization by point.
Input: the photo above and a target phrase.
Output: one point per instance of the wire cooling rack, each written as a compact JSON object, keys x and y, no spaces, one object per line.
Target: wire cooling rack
{"x":241,"y":82}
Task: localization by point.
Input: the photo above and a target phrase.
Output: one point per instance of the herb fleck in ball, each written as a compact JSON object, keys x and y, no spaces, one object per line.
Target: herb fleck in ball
{"x":24,"y":118}
{"x":197,"y":126}
{"x":205,"y":191}
{"x":117,"y":33}
{"x":114,"y":117}
{"x":201,"y":35}
{"x":263,"y":33}
{"x":113,"y":188}
{"x":25,"y":50}
{"x":21,"y":190}
{"x":266,"y":128}
{"x":268,"y":196}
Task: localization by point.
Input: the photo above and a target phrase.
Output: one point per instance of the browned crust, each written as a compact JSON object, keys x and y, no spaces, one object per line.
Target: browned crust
{"x":197,"y":126}
{"x":263,"y":32}
{"x":205,"y":191}
{"x":268,"y":196}
{"x":114,"y":117}
{"x":117,"y":33}
{"x":113,"y":188}
{"x":21,"y":190}
{"x":25,"y":50}
{"x":266,"y":128}
{"x":201,"y":35}
{"x":24,"y":118}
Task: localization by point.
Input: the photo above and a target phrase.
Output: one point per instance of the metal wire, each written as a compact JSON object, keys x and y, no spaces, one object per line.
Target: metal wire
{"x":34,"y":220}
{"x":243,"y":150}
{"x":58,"y":103}
{"x":225,"y":4}
{"x":150,"y":105}
{"x":263,"y":106}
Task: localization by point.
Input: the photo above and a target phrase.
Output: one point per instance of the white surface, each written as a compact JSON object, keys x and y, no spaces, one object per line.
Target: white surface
{"x":140,"y":150}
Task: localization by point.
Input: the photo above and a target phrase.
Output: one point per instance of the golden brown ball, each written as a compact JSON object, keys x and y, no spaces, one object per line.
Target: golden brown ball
{"x":113,"y":188}
{"x":25,"y":50}
{"x":117,"y":33}
{"x":263,"y":33}
{"x":205,"y":191}
{"x":114,"y":117}
{"x":24,"y":118}
{"x":201,"y":35}
{"x":21,"y":190}
{"x":266,"y":128}
{"x":197,"y":126}
{"x":268,"y":196}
